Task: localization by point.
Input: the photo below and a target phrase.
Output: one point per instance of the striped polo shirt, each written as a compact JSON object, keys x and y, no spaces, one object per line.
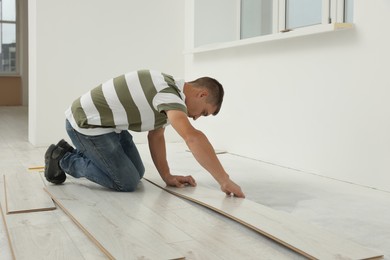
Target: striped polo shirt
{"x":133,"y":101}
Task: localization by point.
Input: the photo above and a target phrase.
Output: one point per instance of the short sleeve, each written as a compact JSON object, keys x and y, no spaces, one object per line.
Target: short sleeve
{"x":164,"y":101}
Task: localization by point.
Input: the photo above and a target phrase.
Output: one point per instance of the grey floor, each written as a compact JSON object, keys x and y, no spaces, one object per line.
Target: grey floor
{"x":354,"y":212}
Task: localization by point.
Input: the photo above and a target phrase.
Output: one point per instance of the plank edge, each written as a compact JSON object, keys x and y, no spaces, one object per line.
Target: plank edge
{"x":297,"y":250}
{"x":31,"y":210}
{"x":89,"y":235}
{"x":6,"y":226}
{"x":9,"y":212}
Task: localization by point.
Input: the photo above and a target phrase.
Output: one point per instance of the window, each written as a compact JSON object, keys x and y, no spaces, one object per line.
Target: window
{"x":8,"y":36}
{"x":348,"y":11}
{"x":222,"y":21}
{"x":256,"y":18}
{"x":301,"y":13}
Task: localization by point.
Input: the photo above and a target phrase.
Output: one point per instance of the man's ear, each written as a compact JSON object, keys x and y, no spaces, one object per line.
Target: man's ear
{"x":204,"y":93}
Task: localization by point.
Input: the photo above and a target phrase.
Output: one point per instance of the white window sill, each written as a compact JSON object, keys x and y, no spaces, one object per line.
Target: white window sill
{"x":315,"y":29}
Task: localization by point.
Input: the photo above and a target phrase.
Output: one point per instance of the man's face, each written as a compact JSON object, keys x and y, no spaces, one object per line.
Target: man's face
{"x":197,"y":106}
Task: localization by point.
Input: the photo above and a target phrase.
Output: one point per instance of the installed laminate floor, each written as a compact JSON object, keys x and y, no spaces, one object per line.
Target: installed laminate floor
{"x":356,"y":213}
{"x":309,"y":240}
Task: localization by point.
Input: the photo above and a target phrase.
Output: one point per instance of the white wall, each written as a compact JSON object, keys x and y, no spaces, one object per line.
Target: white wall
{"x":76,"y":45}
{"x":318,"y":103}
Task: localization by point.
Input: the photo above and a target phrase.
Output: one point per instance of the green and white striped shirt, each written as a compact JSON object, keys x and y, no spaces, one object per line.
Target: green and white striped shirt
{"x":133,"y":101}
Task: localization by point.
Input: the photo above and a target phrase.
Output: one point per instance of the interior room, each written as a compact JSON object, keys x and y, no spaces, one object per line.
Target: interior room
{"x":303,"y":129}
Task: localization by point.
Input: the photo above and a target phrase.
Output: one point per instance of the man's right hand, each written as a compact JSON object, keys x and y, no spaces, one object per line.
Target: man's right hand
{"x":180,"y":181}
{"x":203,"y":151}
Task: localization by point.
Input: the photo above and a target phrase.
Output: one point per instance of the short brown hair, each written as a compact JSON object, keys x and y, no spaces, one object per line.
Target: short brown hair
{"x":215,"y":90}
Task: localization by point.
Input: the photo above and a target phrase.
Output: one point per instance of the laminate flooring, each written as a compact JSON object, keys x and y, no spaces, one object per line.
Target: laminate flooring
{"x":303,"y":238}
{"x":43,"y":235}
{"x":137,"y":225}
{"x":24,"y":193}
{"x":358,"y":213}
{"x":119,"y":223}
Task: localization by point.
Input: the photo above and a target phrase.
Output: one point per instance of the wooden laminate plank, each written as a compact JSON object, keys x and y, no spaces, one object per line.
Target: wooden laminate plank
{"x":216,"y":237}
{"x":24,"y":193}
{"x":2,"y":202}
{"x":205,"y":233}
{"x":38,"y":235}
{"x":36,"y":168}
{"x":306,"y":239}
{"x":193,"y":250}
{"x":121,"y":226}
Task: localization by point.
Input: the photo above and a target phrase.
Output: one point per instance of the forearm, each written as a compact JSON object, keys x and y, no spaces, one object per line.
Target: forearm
{"x":204,"y":153}
{"x":158,"y":152}
{"x":159,"y":155}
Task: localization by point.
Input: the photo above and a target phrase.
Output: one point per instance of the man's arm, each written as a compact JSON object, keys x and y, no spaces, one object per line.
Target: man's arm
{"x":203,"y":151}
{"x":157,"y":149}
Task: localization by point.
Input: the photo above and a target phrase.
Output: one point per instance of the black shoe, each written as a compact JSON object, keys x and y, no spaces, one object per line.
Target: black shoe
{"x":63,"y":144}
{"x":53,"y":172}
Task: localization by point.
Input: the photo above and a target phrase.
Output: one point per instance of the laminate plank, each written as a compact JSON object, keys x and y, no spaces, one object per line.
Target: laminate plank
{"x":2,"y":202}
{"x":144,"y":207}
{"x":36,"y":168}
{"x":205,"y":232}
{"x":146,"y":194}
{"x":38,"y":235}
{"x":216,"y":237}
{"x":121,"y":226}
{"x":306,"y":239}
{"x":24,"y":193}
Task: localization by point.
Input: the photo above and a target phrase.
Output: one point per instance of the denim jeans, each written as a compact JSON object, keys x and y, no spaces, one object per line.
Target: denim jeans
{"x":111,"y":160}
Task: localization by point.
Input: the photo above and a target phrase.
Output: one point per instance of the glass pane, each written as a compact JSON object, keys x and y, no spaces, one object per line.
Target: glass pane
{"x":348,"y":18}
{"x":300,"y":13}
{"x":7,"y":10}
{"x":8,"y":47}
{"x":256,"y":18}
{"x":215,"y":21}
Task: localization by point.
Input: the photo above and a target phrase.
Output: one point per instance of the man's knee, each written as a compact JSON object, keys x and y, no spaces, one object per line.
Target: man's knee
{"x":128,"y":185}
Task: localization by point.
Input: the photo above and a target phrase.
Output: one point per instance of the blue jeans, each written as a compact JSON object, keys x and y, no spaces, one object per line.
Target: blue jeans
{"x":111,"y":160}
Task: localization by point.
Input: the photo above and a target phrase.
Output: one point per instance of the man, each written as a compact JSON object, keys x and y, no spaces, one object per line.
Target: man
{"x":145,"y":100}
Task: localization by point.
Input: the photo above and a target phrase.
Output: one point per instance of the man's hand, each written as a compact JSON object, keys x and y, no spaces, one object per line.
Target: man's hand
{"x":229,"y":187}
{"x":180,"y":181}
{"x":203,"y":152}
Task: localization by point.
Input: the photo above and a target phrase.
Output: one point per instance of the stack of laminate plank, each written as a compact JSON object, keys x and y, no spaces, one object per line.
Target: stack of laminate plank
{"x":33,"y":228}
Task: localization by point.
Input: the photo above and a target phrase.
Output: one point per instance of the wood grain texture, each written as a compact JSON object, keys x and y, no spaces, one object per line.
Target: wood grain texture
{"x":118,"y":223}
{"x":194,"y":232}
{"x":2,"y":202}
{"x":24,"y":193}
{"x":39,"y":235}
{"x":217,"y":237}
{"x":306,"y":239}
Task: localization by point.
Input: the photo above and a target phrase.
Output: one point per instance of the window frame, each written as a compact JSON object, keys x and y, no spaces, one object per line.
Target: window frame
{"x":333,"y":15}
{"x":332,"y":12}
{"x":282,"y":15}
{"x":17,"y":45}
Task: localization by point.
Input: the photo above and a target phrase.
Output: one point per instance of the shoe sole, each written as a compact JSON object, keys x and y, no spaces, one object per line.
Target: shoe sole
{"x":48,"y":154}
